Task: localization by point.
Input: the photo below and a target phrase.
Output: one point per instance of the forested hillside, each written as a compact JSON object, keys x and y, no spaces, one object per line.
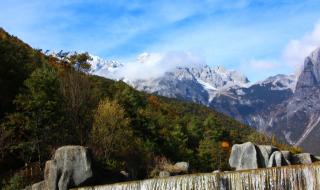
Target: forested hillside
{"x":47,"y":102}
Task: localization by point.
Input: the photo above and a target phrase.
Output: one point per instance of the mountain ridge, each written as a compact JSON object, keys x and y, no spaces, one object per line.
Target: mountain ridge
{"x":265,"y":105}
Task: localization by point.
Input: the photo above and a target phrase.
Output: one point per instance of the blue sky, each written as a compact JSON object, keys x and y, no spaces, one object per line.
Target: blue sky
{"x":257,"y":37}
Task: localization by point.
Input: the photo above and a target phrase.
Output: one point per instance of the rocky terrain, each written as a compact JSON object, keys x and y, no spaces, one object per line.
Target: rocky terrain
{"x":298,"y":118}
{"x":71,"y":166}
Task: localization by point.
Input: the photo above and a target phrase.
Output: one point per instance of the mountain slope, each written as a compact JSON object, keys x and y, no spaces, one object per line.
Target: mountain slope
{"x":252,"y":104}
{"x":17,"y":60}
{"x":282,"y":105}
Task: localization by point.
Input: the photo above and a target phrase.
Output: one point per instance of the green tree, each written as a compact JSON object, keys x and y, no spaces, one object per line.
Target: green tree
{"x":17,"y":60}
{"x":39,"y":113}
{"x":80,"y":62}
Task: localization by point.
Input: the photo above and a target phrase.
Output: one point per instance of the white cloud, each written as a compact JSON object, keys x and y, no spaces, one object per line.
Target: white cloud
{"x":298,"y":49}
{"x":153,"y":65}
{"x":291,"y":57}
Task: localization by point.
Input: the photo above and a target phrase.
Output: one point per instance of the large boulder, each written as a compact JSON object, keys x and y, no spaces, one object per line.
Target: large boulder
{"x":71,"y":166}
{"x":244,"y":156}
{"x":264,"y":152}
{"x":277,"y":159}
{"x":181,"y":167}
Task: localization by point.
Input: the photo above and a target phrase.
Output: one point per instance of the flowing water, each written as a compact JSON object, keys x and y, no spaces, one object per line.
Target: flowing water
{"x":298,"y":177}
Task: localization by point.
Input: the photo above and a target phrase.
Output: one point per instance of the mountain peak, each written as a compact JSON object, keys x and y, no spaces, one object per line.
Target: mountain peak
{"x":310,"y":75}
{"x":315,"y":55}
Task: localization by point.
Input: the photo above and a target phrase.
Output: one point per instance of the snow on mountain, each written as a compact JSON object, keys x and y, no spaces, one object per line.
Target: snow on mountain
{"x":210,"y":79}
{"x":280,"y":82}
{"x":104,"y":68}
{"x":284,"y":105}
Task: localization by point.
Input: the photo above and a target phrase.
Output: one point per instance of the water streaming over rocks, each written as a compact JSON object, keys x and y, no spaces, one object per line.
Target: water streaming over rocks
{"x":297,"y":177}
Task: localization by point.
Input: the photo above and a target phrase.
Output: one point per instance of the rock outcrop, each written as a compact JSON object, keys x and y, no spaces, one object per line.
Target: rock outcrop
{"x":244,"y":156}
{"x":71,"y":166}
{"x":250,"y":156}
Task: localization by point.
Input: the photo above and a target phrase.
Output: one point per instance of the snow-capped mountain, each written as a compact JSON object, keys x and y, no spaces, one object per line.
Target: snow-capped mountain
{"x":99,"y":66}
{"x":103,"y":67}
{"x":250,"y":104}
{"x":284,"y":105}
{"x":198,"y":83}
{"x":280,"y":82}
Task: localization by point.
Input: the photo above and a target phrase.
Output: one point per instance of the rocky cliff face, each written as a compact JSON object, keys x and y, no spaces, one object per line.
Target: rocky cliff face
{"x":298,"y":118}
{"x":251,"y":105}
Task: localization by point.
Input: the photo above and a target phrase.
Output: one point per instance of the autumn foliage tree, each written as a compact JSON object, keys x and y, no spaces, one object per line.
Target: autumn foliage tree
{"x":111,"y":130}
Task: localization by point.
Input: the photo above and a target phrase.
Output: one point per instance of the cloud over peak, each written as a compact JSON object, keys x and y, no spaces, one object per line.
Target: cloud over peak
{"x":153,"y":65}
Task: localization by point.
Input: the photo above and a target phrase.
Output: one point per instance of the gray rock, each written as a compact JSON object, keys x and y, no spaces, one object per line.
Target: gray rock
{"x":164,"y":174}
{"x":277,"y":159}
{"x":125,"y":174}
{"x":303,"y":158}
{"x":28,"y":188}
{"x":51,"y":174}
{"x":265,"y":151}
{"x":181,"y":167}
{"x":39,"y":186}
{"x":244,"y":156}
{"x":287,"y":156}
{"x":71,"y":166}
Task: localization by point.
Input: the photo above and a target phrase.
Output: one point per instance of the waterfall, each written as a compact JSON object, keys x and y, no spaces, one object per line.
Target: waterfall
{"x":294,"y":177}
